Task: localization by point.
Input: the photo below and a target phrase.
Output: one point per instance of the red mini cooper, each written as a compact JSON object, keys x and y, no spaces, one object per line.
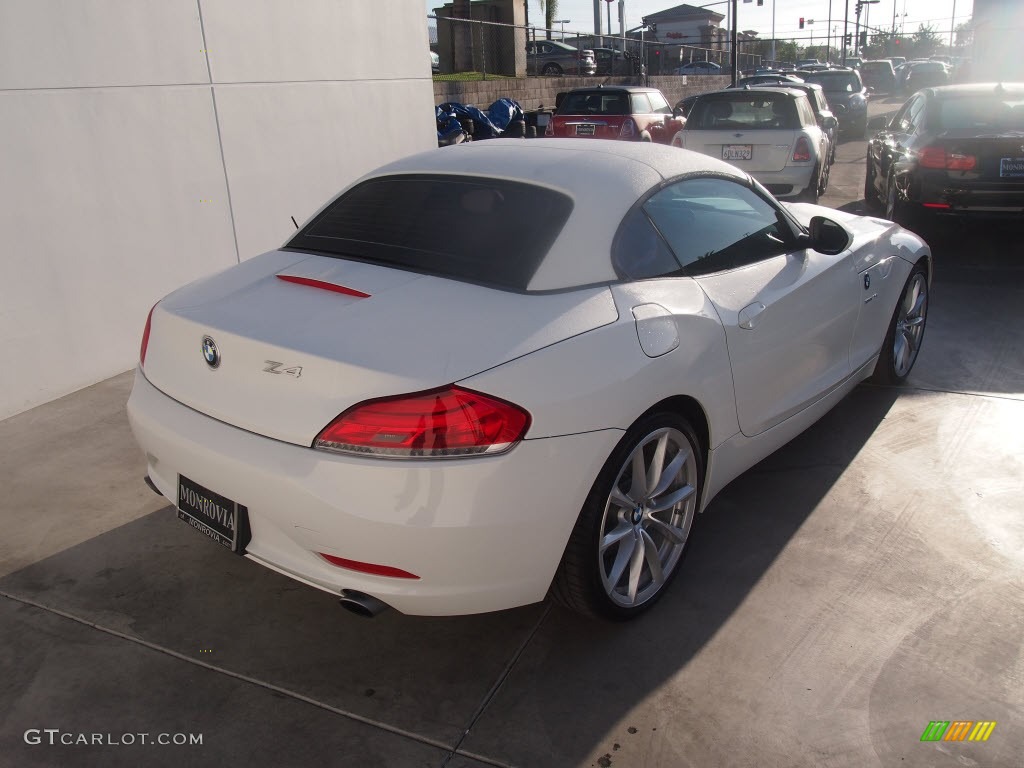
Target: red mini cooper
{"x":617,"y":112}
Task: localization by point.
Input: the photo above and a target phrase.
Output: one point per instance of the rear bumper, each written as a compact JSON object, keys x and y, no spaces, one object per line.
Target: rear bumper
{"x":482,"y":534}
{"x":789,"y":182}
{"x":980,"y":199}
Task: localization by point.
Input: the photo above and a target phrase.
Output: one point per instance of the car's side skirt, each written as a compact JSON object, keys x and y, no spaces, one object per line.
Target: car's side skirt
{"x":737,"y":454}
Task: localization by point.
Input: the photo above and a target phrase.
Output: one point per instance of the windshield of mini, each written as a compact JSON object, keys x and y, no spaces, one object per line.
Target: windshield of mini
{"x":744,"y":111}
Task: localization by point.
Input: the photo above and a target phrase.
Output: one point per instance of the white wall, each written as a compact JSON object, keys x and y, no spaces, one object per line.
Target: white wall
{"x":135,"y":154}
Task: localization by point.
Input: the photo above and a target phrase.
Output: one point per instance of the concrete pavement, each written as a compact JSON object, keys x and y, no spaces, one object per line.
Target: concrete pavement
{"x":866,"y":579}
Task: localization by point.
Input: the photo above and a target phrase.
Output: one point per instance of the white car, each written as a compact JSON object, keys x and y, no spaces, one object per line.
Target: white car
{"x":481,"y":375}
{"x":771,"y":133}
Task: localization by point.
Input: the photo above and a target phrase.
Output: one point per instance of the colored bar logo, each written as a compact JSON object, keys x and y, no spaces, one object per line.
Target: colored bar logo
{"x":958,"y":730}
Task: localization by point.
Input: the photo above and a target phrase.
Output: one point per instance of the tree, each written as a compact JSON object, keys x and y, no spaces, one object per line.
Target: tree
{"x":926,"y":41}
{"x":550,"y":9}
{"x":964,"y":33}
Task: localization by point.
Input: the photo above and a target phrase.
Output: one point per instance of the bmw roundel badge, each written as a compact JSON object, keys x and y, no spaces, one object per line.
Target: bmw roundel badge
{"x":210,"y":352}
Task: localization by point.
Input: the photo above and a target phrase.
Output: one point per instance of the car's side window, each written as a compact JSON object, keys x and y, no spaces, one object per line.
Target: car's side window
{"x":658,"y":104}
{"x":905,"y":119}
{"x":916,"y":110}
{"x":806,"y":113}
{"x":641,"y":104}
{"x":639,"y":251}
{"x":714,"y":224}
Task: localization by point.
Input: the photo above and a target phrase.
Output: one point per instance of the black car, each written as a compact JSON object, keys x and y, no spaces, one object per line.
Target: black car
{"x":955,"y":150}
{"x":611,"y":61}
{"x":926,"y":74}
{"x":847,"y":96}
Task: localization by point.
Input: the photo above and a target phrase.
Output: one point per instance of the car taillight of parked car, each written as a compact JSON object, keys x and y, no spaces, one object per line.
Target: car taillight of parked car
{"x":145,"y":337}
{"x":938,"y":157}
{"x":628,"y":129}
{"x":802,"y":151}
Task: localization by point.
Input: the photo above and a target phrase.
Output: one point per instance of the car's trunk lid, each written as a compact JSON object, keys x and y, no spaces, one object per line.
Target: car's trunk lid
{"x":293,"y":356}
{"x":770,"y":149}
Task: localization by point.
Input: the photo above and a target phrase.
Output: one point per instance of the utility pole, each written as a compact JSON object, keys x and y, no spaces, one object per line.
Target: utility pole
{"x":828,"y":32}
{"x":597,"y":17}
{"x":952,"y":25}
{"x":846,"y":21}
{"x":735,"y":40}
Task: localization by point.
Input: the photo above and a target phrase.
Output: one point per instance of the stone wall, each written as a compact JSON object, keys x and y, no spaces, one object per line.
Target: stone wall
{"x":537,"y":92}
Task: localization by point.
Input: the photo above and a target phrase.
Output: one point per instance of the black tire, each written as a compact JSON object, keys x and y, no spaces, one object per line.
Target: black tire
{"x":579,"y":583}
{"x":871,"y":199}
{"x":887,"y":371}
{"x":810,"y":194}
{"x":898,"y":209}
{"x":823,"y":181}
{"x":551,"y":69}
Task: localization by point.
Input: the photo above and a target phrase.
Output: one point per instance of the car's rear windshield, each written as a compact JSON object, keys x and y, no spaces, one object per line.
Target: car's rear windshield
{"x":595,"y":103}
{"x":744,"y":111}
{"x":983,"y":114}
{"x":836,"y":81}
{"x":478,"y":230}
{"x":872,"y":66}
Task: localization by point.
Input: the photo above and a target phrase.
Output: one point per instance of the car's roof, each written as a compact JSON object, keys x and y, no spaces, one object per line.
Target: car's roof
{"x":603,"y":178}
{"x":796,"y":93}
{"x":972,"y":89}
{"x":613,"y":89}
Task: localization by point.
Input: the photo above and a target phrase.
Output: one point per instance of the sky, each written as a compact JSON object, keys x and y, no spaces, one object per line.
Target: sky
{"x":936,"y":13}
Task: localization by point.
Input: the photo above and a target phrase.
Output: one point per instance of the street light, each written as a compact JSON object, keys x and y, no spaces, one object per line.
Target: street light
{"x":563,"y":22}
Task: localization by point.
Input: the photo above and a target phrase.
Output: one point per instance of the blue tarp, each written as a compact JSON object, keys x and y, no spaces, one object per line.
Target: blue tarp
{"x":485,"y":125}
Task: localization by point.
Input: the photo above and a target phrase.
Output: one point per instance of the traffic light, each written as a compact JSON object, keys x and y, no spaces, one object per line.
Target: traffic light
{"x":863,"y":39}
{"x":849,"y":39}
{"x":801,"y":22}
{"x":897,"y":41}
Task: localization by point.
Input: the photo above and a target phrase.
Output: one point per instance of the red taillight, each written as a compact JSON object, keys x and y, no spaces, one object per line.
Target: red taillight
{"x":145,"y":336}
{"x":802,"y":151}
{"x":450,"y":421}
{"x":372,"y":568}
{"x":323,"y":285}
{"x":937,"y":157}
{"x":628,"y":129}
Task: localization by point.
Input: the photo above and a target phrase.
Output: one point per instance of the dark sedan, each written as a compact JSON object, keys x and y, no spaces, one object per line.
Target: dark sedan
{"x":926,"y":74}
{"x":956,"y":150}
{"x":846,"y":93}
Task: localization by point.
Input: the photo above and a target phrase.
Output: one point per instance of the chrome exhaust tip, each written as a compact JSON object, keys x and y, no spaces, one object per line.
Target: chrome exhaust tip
{"x":361,"y":604}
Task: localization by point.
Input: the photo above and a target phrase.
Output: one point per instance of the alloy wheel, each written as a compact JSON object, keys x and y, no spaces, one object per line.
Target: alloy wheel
{"x":647,"y":517}
{"x":910,"y":321}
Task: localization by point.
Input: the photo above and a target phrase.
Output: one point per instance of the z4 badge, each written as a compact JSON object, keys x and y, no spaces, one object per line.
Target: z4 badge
{"x":273,"y":367}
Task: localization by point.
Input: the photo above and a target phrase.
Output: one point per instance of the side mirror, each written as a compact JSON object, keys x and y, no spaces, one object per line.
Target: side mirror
{"x":878,"y":123}
{"x":831,"y":122}
{"x":678,"y":112}
{"x":839,"y":109}
{"x":827,"y":236}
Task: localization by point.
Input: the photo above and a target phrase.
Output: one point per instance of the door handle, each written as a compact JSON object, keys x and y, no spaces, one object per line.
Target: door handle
{"x":749,"y":314}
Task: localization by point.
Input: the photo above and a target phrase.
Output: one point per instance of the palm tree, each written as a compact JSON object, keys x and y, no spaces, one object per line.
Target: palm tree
{"x":550,"y":10}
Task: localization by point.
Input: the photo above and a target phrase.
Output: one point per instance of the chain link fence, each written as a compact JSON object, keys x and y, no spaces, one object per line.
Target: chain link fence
{"x":470,"y":49}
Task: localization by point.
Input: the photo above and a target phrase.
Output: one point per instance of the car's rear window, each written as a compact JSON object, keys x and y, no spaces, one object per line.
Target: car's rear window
{"x":595,"y":103}
{"x":744,"y":111}
{"x":836,"y":81}
{"x":488,"y":231}
{"x":981,"y":115}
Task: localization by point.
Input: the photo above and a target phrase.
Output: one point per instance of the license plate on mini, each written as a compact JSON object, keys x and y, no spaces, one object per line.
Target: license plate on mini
{"x":737,"y":151}
{"x":585,"y":130}
{"x":1011,"y":167}
{"x":223,"y":520}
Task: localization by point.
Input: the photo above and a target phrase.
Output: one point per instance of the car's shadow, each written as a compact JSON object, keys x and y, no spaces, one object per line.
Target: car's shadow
{"x":157,"y":580}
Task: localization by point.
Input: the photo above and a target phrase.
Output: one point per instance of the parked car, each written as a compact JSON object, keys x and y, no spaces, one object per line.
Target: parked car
{"x":956,"y":150}
{"x":611,"y":61}
{"x":631,"y":113}
{"x":926,"y":74}
{"x":700,"y":68}
{"x":551,"y":57}
{"x":827,"y":120}
{"x":771,"y":133}
{"x":879,"y":75}
{"x":485,"y":374}
{"x":848,"y":97}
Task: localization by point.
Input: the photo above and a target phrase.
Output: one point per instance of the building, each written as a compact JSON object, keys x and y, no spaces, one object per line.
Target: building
{"x":689,"y":25}
{"x":148,"y":144}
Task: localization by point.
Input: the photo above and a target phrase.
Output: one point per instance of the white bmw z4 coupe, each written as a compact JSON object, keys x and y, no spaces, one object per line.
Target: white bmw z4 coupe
{"x":483,"y":375}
